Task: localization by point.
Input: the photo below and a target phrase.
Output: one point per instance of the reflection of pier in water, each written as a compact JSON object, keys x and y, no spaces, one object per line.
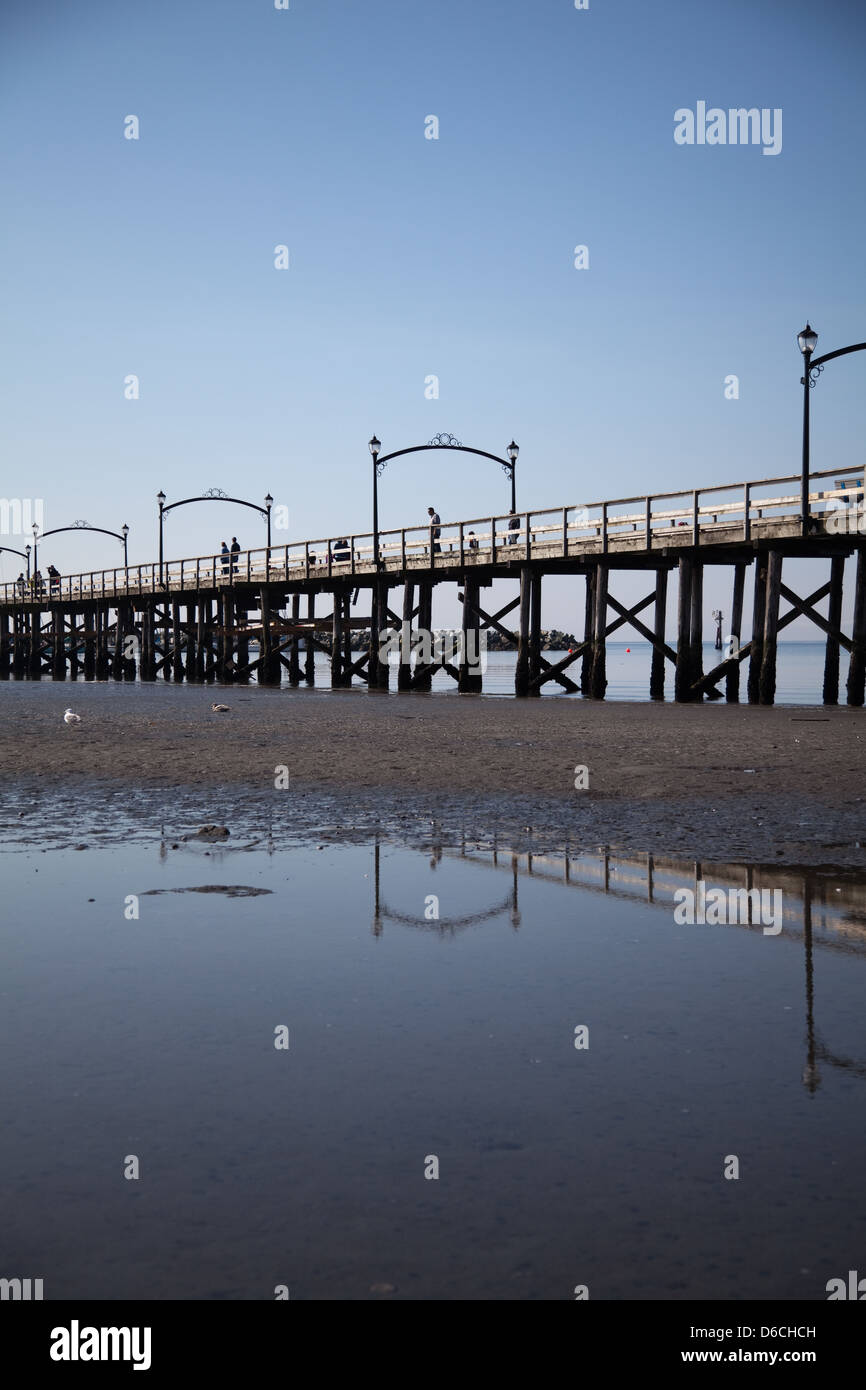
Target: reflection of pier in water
{"x":822,"y":909}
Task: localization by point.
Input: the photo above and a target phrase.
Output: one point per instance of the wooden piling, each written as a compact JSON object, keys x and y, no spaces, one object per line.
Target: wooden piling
{"x":599,"y":633}
{"x":294,"y":663}
{"x":732,"y":677}
{"x":470,"y":678}
{"x":657,"y":666}
{"x":347,"y":639}
{"x":404,"y":669}
{"x":682,"y":692}
{"x":830,"y":694}
{"x":177,"y":644}
{"x":521,"y":670}
{"x":240,"y":614}
{"x":191,"y":627}
{"x":857,"y":663}
{"x":535,"y":634}
{"x":310,"y":651}
{"x":696,"y":628}
{"x":6,"y":643}
{"x":58,"y":645}
{"x":757,"y":648}
{"x":767,"y":680}
{"x":89,"y":636}
{"x":588,"y":619}
{"x":424,"y":678}
{"x":337,"y":640}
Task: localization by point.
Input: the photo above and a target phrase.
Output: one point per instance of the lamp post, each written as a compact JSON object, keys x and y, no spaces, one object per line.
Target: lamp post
{"x":512,"y":451}
{"x":375,"y":447}
{"x":124,"y":531}
{"x":35,"y":547}
{"x":160,"y":497}
{"x":269,"y":502}
{"x":807,"y":341}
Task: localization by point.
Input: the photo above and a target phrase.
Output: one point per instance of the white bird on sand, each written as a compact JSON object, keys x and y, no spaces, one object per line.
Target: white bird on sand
{"x":220,"y":709}
{"x":70,"y":718}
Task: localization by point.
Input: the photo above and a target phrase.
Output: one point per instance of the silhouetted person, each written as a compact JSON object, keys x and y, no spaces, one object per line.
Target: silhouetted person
{"x":235,"y":550}
{"x":226,"y":558}
{"x":436,"y":528}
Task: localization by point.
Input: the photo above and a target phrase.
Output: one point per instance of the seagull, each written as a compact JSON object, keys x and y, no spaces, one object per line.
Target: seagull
{"x":70,"y":718}
{"x":220,"y":709}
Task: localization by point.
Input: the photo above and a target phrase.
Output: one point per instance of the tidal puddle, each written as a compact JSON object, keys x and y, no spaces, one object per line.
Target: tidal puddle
{"x":580,"y":1067}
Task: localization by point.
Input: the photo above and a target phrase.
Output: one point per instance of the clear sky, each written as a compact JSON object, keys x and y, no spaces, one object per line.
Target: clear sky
{"x":412,"y":257}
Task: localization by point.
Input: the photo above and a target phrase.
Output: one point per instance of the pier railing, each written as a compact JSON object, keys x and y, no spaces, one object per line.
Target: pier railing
{"x":722,"y":514}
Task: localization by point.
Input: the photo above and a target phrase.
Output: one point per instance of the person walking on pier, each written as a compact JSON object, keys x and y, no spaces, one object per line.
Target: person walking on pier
{"x":436,"y":529}
{"x":236,"y":550}
{"x":53,"y":579}
{"x":20,"y":583}
{"x":513,"y":526}
{"x":226,"y":558}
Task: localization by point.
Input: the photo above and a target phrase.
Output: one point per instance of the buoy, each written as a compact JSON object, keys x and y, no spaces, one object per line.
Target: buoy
{"x":628,"y":649}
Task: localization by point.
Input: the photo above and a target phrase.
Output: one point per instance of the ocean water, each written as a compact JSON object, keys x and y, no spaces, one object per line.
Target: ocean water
{"x":430,"y":1131}
{"x":800,"y":673}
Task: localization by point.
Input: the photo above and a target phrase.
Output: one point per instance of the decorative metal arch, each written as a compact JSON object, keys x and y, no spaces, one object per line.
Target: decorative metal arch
{"x":447,"y":441}
{"x":211,"y":494}
{"x":78,"y":526}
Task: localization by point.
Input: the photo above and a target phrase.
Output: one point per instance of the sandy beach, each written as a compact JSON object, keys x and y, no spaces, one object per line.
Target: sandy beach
{"x":736,"y":782}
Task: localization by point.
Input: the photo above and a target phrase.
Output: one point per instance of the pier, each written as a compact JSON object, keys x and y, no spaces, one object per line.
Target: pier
{"x":263,"y":613}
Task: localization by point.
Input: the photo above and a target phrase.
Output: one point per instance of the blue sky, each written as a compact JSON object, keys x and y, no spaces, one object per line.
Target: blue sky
{"x":411,"y":257}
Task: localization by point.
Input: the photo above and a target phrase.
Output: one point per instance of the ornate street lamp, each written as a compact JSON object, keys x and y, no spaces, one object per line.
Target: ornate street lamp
{"x":375,"y":446}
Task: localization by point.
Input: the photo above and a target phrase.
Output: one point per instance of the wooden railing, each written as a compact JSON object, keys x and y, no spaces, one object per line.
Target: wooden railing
{"x":722,"y":514}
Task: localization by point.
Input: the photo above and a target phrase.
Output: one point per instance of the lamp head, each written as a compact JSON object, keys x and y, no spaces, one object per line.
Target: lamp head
{"x":374,"y":446}
{"x":160,"y":497}
{"x":513,"y":450}
{"x":807,"y":341}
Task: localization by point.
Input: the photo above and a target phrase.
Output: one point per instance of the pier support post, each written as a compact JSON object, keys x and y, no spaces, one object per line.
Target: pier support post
{"x":588,"y":619}
{"x":19,"y":645}
{"x":310,"y":651}
{"x":239,"y":614}
{"x":599,"y":633}
{"x":89,"y":634}
{"x":294,"y":663}
{"x":767,"y":681}
{"x":696,"y":632}
{"x":117,"y":653}
{"x":382,"y":668}
{"x":176,"y":643}
{"x":191,"y":667}
{"x":857,"y":664}
{"x":337,"y":641}
{"x":145,"y":671}
{"x":535,"y":635}
{"x":757,"y":648}
{"x":424,"y":679}
{"x":470,"y":678}
{"x":6,"y":643}
{"x":834,"y":617}
{"x":347,"y":639}
{"x":657,"y":667}
{"x":521,"y":670}
{"x":58,"y":645}
{"x":684,"y":626}
{"x":732,"y":677}
{"x":404,"y":670}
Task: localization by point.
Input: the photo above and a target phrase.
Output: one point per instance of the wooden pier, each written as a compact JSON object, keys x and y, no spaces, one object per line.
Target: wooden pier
{"x":264,"y":613}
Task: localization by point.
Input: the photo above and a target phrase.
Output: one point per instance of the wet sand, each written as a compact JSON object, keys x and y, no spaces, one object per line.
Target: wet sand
{"x":737,"y":782}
